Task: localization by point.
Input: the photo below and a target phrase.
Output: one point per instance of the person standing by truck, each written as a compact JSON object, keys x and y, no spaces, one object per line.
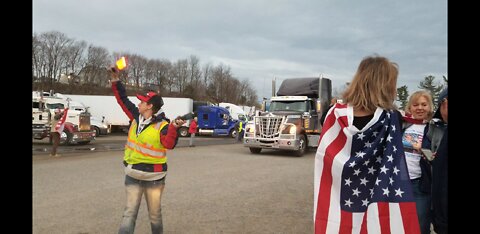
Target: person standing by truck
{"x":192,"y":129}
{"x":145,"y":155}
{"x":56,"y":128}
{"x":240,"y":130}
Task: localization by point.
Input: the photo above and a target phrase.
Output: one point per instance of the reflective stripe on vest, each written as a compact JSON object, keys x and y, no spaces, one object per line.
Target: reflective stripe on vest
{"x":240,"y":127}
{"x":146,"y":147}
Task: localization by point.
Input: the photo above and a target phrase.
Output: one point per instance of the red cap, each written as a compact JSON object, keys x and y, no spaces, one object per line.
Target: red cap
{"x":146,"y":97}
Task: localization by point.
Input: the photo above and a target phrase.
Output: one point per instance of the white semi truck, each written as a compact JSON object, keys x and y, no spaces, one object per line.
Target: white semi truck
{"x":292,"y":121}
{"x":77,"y":124}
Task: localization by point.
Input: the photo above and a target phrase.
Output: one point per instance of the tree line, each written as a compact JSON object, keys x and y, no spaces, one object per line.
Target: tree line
{"x":67,"y":65}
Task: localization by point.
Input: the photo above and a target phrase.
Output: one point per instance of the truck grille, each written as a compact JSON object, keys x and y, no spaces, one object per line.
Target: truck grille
{"x":269,"y":127}
{"x":84,"y":122}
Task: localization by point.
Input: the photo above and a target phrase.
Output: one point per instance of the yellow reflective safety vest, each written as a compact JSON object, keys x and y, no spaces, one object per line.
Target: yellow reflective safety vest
{"x":146,"y":147}
{"x":240,"y":126}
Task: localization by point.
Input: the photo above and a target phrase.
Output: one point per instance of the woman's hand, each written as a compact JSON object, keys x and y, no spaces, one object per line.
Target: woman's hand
{"x":114,"y":74}
{"x":178,"y":122}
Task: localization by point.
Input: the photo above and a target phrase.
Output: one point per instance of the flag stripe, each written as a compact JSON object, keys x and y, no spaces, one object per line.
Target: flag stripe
{"x":408,"y":211}
{"x":345,"y":222}
{"x":396,"y":227}
{"x":357,"y":220}
{"x":363,"y":230}
{"x":373,"y":224}
{"x":326,"y":183}
{"x":384,"y":217}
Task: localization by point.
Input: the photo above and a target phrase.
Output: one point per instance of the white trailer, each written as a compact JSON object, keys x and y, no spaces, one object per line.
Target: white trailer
{"x":107,"y":106}
{"x":235,"y":111}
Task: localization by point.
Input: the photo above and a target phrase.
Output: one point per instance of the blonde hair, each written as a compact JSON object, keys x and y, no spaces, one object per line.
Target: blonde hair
{"x":415,"y":96}
{"x":374,"y":85}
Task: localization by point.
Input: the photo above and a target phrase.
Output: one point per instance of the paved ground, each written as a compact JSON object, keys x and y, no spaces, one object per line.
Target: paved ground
{"x":209,"y":189}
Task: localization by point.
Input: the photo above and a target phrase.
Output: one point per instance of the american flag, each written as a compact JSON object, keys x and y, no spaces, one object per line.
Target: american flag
{"x":61,"y":123}
{"x":361,"y":182}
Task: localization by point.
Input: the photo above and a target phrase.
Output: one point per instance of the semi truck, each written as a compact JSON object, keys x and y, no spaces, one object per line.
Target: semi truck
{"x":292,"y":121}
{"x":77,"y":125}
{"x":215,"y":121}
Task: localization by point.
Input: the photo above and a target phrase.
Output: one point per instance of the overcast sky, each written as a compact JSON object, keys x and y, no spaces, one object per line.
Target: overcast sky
{"x":260,"y":39}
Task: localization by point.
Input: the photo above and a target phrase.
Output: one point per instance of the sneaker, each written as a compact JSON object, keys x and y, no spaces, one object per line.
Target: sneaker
{"x":57,"y":155}
{"x":51,"y":155}
{"x":191,"y":146}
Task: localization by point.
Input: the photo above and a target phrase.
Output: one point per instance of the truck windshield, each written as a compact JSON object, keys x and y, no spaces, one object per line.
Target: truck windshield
{"x":300,"y":106}
{"x":54,"y":106}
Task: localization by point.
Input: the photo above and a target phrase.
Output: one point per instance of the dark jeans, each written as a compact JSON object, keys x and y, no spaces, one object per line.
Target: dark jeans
{"x":423,"y":204}
{"x":55,"y":142}
{"x":153,"y":195}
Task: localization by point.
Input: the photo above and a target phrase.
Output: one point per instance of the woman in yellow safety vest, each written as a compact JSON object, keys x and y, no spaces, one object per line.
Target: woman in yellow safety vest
{"x":145,"y":157}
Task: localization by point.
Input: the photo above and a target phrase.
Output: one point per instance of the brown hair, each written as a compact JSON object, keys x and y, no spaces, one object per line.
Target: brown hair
{"x":374,"y":85}
{"x":415,"y":96}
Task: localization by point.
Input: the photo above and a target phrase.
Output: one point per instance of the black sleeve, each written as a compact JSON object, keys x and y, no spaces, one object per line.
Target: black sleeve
{"x":324,"y":115}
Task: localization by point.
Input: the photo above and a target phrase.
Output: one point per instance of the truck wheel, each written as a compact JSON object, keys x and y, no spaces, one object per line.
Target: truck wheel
{"x":303,"y":146}
{"x":255,"y":150}
{"x":183,"y":132}
{"x":65,"y":138}
{"x":97,"y":131}
{"x":233,"y":133}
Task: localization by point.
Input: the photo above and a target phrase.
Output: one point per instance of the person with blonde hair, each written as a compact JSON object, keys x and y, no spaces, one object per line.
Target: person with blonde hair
{"x":419,"y":112}
{"x":361,"y":181}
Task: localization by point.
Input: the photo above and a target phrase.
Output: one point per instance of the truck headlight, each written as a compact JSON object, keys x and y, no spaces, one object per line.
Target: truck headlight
{"x":288,"y":129}
{"x":293,"y":129}
{"x":250,"y":128}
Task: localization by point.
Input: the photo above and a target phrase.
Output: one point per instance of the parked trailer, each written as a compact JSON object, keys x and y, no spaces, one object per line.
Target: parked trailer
{"x":108,"y":107}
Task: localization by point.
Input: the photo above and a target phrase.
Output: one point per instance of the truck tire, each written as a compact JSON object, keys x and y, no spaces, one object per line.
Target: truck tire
{"x":65,"y":138}
{"x":97,"y":131}
{"x":183,"y":131}
{"x":255,"y":150}
{"x":303,"y":146}
{"x":233,"y":133}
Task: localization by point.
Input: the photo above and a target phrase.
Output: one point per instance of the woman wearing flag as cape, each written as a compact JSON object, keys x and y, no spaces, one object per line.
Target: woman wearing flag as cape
{"x":361,"y":182}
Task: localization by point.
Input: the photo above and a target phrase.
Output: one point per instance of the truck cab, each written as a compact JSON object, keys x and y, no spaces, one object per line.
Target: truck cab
{"x":77,"y":124}
{"x":215,"y":121}
{"x":292,"y":121}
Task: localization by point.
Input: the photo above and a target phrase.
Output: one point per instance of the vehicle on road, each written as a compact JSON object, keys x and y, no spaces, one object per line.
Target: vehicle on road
{"x":292,"y":121}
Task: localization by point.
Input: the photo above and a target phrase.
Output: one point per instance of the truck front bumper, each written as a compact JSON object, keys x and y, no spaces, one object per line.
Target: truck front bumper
{"x":82,"y":137}
{"x":40,"y":133}
{"x":283,"y":144}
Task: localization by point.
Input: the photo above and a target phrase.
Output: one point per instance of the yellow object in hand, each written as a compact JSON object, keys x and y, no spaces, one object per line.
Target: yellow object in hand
{"x":121,"y":63}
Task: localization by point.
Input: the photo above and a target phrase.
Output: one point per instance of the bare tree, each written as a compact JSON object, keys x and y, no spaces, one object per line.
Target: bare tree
{"x":137,"y":69}
{"x":38,"y":58}
{"x":54,"y":45}
{"x":74,"y":58}
{"x":180,"y":75}
{"x":97,"y":63}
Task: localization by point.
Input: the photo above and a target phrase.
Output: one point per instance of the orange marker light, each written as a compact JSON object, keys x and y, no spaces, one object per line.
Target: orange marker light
{"x":121,"y":63}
